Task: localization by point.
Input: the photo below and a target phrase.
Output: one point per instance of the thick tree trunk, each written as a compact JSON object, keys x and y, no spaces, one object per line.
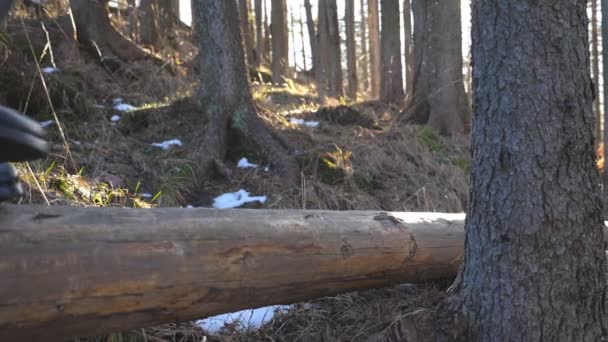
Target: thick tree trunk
{"x":391,"y":82}
{"x":330,"y":60}
{"x":226,"y":96}
{"x":535,"y":262}
{"x":364,"y":65}
{"x":374,"y":47}
{"x":409,"y":49}
{"x":96,"y":32}
{"x":259,"y":33}
{"x":351,"y":49}
{"x":595,"y":63}
{"x":280,"y":41}
{"x":439,"y":99}
{"x":244,"y":11}
{"x":87,"y":271}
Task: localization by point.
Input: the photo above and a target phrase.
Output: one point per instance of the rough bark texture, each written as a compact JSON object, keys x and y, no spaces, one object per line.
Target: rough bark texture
{"x":280,"y":41}
{"x":391,"y":81}
{"x":330,"y":59}
{"x":374,"y":47}
{"x":364,"y":65}
{"x":244,"y":11}
{"x":88,"y":271}
{"x":225,"y":93}
{"x":535,"y":262}
{"x":408,"y":48}
{"x":439,"y":99}
{"x":259,"y":33}
{"x":97,"y":32}
{"x":351,"y":48}
{"x":595,"y":63}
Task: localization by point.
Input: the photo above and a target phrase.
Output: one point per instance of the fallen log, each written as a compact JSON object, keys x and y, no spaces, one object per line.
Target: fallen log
{"x":68,"y":272}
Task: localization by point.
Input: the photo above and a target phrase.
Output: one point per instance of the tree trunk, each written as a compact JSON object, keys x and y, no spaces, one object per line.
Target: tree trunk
{"x":535,"y":262}
{"x":374,"y":47}
{"x":158,"y":21}
{"x":439,"y":99}
{"x":246,"y":30}
{"x":364,"y":65}
{"x":391,"y":81}
{"x":280,"y":41}
{"x":330,"y":68}
{"x":226,"y":95}
{"x":409,"y":49}
{"x":267,"y":39}
{"x":292,"y":32}
{"x":88,"y":271}
{"x":259,"y":33}
{"x":351,"y":49}
{"x":312,"y":36}
{"x":304,"y":57}
{"x":605,"y":84}
{"x":97,"y":33}
{"x":595,"y":63}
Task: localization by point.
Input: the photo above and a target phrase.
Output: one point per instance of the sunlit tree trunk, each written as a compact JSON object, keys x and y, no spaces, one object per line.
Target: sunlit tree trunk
{"x":391,"y":81}
{"x":280,"y":41}
{"x":374,"y":47}
{"x":409,"y":48}
{"x":351,"y":49}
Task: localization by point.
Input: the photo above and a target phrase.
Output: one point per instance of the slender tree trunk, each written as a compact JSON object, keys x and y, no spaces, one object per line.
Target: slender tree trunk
{"x":391,"y":82}
{"x":329,"y":49}
{"x":374,"y":47}
{"x":302,"y":39}
{"x":535,"y":263}
{"x":280,"y":41}
{"x":595,"y":64}
{"x":351,"y":49}
{"x":292,"y":31}
{"x":267,"y":33}
{"x":158,"y":21}
{"x":605,"y":83}
{"x":364,"y":65}
{"x":439,"y":99}
{"x":312,"y":36}
{"x":259,"y":33}
{"x":246,"y":29}
{"x":225,"y":93}
{"x":409,"y":49}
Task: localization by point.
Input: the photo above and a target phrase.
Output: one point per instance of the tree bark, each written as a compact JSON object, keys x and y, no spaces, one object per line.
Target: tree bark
{"x":69,"y":272}
{"x":304,"y":56}
{"x":351,"y":49}
{"x":97,"y":33}
{"x":409,"y":49}
{"x":391,"y":81}
{"x":374,"y":47}
{"x":364,"y":65}
{"x":604,"y":23}
{"x":595,"y":64}
{"x":439,"y":99}
{"x":259,"y":33}
{"x":330,"y":60}
{"x":246,"y":30}
{"x":280,"y":41}
{"x":312,"y":36}
{"x":226,"y":96}
{"x":535,"y":262}
{"x":157,"y":21}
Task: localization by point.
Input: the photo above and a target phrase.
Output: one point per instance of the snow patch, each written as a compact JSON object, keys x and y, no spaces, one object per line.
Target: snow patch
{"x":236,"y":199}
{"x":253,"y":318}
{"x":50,"y":70}
{"x":115,"y":118}
{"x":165,"y":145}
{"x":124,"y":107}
{"x":245,"y":164}
{"x":47,"y":123}
{"x":301,"y":122}
{"x":146,"y":195}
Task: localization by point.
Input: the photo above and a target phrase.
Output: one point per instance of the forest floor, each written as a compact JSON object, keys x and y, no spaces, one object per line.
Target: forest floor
{"x":359,"y":156}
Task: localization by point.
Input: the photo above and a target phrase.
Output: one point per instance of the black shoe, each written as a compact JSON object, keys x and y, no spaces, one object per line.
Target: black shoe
{"x":21,"y":138}
{"x":9,"y":183}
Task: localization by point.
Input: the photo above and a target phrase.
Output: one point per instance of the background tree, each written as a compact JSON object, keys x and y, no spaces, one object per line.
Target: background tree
{"x":391,"y":80}
{"x":244,"y":12}
{"x":374,"y":47}
{"x":408,"y":48}
{"x":438,"y":98}
{"x":535,"y":264}
{"x":351,"y":49}
{"x":330,"y":60}
{"x":157,"y":21}
{"x":280,"y":41}
{"x":595,"y":67}
{"x":364,"y":64}
{"x":312,"y":35}
{"x":225,"y":94}
{"x":259,"y":33}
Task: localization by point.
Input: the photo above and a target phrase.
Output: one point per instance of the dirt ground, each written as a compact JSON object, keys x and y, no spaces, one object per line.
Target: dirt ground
{"x":358,"y":157}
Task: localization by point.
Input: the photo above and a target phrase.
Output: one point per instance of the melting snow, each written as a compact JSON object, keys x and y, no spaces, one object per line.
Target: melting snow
{"x":47,"y":123}
{"x":49,"y":70}
{"x":253,"y":318}
{"x":146,"y":195}
{"x":165,"y":145}
{"x":115,"y":118}
{"x":236,"y":199}
{"x":117,"y":100}
{"x":245,"y":164}
{"x":124,"y":107}
{"x":295,"y":121}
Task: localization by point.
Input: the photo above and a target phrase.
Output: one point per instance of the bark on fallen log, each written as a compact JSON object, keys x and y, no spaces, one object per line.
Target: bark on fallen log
{"x":67,"y":272}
